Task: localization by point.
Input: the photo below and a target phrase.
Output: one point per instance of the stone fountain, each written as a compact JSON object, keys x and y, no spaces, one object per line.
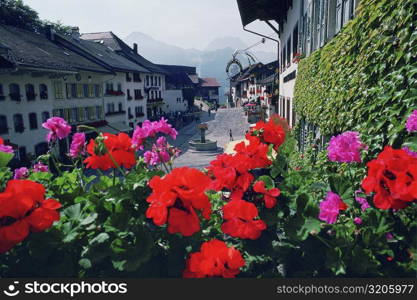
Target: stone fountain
{"x":203,"y":144}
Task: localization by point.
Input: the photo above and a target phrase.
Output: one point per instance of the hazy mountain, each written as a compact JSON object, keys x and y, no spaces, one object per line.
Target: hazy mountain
{"x":210,"y":62}
{"x":226,"y":42}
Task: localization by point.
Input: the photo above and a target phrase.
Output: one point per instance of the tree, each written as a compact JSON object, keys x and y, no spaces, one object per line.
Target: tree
{"x":16,"y":13}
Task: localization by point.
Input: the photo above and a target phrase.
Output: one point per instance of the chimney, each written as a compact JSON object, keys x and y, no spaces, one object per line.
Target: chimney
{"x":50,"y":33}
{"x":135,"y":47}
{"x":75,"y":32}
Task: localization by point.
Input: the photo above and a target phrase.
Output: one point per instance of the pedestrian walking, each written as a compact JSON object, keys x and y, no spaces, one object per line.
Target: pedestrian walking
{"x":209,"y":112}
{"x":231,"y":134}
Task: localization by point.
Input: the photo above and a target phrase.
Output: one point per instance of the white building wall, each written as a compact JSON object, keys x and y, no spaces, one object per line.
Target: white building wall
{"x":134,"y":104}
{"x":174,"y":101}
{"x":286,"y":89}
{"x":29,"y":137}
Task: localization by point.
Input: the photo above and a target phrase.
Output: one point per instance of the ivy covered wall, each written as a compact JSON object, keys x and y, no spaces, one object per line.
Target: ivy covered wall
{"x":365,"y":78}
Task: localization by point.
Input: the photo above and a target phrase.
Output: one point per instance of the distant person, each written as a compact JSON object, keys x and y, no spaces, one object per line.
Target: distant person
{"x":209,"y":111}
{"x":201,"y":106}
{"x":231,"y":134}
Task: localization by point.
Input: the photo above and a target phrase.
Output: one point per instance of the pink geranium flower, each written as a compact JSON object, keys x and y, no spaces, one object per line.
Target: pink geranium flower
{"x":40,"y":167}
{"x":411,"y":124}
{"x":77,"y":145}
{"x":5,"y":148}
{"x":330,"y":208}
{"x":345,"y":147}
{"x":58,"y":129}
{"x":151,"y":129}
{"x":21,"y":173}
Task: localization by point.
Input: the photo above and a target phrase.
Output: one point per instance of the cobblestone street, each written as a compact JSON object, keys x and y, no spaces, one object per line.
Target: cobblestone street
{"x":219,"y":125}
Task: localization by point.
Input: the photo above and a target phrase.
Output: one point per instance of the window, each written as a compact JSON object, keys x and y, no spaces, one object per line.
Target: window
{"x":74,"y":117}
{"x":109,"y":87}
{"x":339,"y":15}
{"x":59,"y":93}
{"x":14,"y":89}
{"x":18,"y":123}
{"x":159,"y":81}
{"x":151,"y":80}
{"x":30,"y":92}
{"x":147,"y":80}
{"x":129,"y":97}
{"x":4,"y":129}
{"x":160,"y":95}
{"x":2,"y":97}
{"x":81,"y":114}
{"x":43,"y":91}
{"x":99,"y":112}
{"x":85,"y":90}
{"x":87,"y":114}
{"x":295,"y":40}
{"x":73,"y":90}
{"x":138,"y":95}
{"x":80,"y":90}
{"x":33,"y":121}
{"x":128,"y":78}
{"x":136,"y":77}
{"x":129,"y":113}
{"x":120,"y":107}
{"x":346,"y":11}
{"x":119,"y":87}
{"x":45,"y":116}
{"x":97,"y":90}
{"x":139,"y":111}
{"x":91,"y":90}
{"x":288,"y":55}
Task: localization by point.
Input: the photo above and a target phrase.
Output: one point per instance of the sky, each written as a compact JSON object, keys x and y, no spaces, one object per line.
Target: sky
{"x":183,"y":23}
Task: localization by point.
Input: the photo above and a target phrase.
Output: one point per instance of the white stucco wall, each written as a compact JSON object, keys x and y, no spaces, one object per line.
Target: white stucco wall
{"x":174,"y":101}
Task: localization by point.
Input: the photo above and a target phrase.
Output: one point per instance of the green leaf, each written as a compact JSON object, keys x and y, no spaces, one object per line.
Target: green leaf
{"x":99,"y":239}
{"x":85,"y":263}
{"x":5,"y":158}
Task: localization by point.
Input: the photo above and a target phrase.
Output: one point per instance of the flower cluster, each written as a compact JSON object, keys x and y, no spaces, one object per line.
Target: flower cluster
{"x":24,"y":209}
{"x":215,"y":259}
{"x":345,"y":147}
{"x":77,"y":145}
{"x":58,"y":129}
{"x":5,"y":148}
{"x":161,"y":152}
{"x":411,"y":124}
{"x":21,"y":173}
{"x":175,"y":199}
{"x":330,"y":208}
{"x":233,"y":173}
{"x":271,"y":132}
{"x":392,"y":176}
{"x":151,"y":129}
{"x":110,"y":151}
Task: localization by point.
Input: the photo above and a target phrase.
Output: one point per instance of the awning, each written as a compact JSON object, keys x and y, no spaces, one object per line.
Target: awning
{"x":121,"y":127}
{"x":264,"y":10}
{"x":114,"y":128}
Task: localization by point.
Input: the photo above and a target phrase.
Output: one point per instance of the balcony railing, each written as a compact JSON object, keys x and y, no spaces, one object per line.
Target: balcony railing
{"x":140,"y":97}
{"x":138,"y":114}
{"x":157,"y":100}
{"x":114,"y":93}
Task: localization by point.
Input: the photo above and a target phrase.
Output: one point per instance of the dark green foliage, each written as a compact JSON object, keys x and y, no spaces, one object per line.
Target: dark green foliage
{"x":364,"y":79}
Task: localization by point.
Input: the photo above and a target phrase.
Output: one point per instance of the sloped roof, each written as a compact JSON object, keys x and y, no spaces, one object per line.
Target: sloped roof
{"x":34,"y":50}
{"x":103,"y":54}
{"x":264,"y":10}
{"x":179,"y":69}
{"x":115,"y":43}
{"x":209,"y":82}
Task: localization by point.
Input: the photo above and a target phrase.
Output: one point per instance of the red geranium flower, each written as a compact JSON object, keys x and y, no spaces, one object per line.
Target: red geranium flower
{"x":117,"y":147}
{"x":393,"y":179}
{"x":270,"y":196}
{"x":215,"y":259}
{"x":271,"y":132}
{"x":255,"y":153}
{"x":176,"y":196}
{"x":239,"y":218}
{"x":23,"y":208}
